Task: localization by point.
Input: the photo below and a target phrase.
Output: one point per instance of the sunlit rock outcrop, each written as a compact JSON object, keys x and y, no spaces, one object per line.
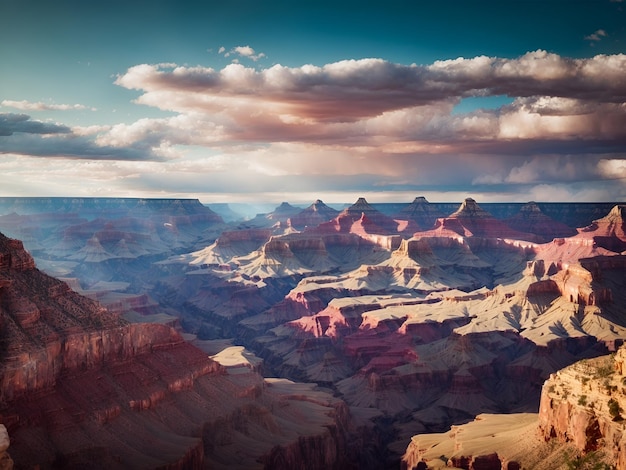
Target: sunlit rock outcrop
{"x":579,"y":425}
{"x":608,"y":232}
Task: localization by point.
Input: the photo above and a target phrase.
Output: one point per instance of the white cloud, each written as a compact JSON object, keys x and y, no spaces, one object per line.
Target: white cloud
{"x":242,"y":51}
{"x":41,"y":106}
{"x":247,"y":51}
{"x":614,"y":168}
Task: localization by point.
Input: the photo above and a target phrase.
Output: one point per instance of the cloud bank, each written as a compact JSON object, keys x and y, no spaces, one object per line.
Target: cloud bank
{"x":21,"y":135}
{"x":374,"y":123}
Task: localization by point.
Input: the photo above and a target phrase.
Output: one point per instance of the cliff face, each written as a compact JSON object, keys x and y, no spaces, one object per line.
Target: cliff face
{"x":583,"y":404}
{"x":85,"y":389}
{"x":579,"y":425}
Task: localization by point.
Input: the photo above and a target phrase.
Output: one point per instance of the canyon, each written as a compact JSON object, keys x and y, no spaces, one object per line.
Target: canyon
{"x":153,"y":334}
{"x":579,"y":425}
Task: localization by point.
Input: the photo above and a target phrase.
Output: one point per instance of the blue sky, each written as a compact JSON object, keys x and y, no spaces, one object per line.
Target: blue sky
{"x":247,"y":100}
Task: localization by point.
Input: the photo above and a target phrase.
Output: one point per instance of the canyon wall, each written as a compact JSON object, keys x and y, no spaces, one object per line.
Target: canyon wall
{"x":85,"y":389}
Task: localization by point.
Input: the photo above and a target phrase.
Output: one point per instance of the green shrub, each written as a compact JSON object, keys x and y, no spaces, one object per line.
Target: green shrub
{"x":615,"y":410}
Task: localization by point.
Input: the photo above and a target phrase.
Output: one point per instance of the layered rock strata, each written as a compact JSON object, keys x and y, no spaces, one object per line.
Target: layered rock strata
{"x":579,"y":425}
{"x":312,"y":216}
{"x":85,"y":389}
{"x":531,"y":219}
{"x":584,"y":404}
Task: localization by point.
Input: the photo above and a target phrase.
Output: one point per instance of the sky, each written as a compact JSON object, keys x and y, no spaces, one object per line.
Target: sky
{"x":248,"y":101}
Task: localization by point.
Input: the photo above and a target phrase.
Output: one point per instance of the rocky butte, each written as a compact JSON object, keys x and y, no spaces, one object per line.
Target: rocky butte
{"x":380,"y":322}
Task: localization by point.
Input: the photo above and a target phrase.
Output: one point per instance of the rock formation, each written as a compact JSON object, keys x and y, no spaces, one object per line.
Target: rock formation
{"x":583,"y":404}
{"x":579,"y":425}
{"x":86,"y":389}
{"x":423,"y":213}
{"x":380,"y":223}
{"x":470,"y":220}
{"x":608,"y":232}
{"x":279,"y":217}
{"x":312,"y":216}
{"x":411,"y":331}
{"x":530,"y":219}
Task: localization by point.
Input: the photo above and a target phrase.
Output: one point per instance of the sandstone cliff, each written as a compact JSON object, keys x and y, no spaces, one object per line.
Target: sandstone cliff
{"x":579,"y":425}
{"x":6,"y":463}
{"x":82,"y":388}
{"x":583,"y":404}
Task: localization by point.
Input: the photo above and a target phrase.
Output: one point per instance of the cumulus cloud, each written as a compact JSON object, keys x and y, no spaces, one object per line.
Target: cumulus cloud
{"x":41,"y":106}
{"x":369,"y":122}
{"x":377,"y":117}
{"x":242,"y":51}
{"x":353,"y":89}
{"x":613,"y":168}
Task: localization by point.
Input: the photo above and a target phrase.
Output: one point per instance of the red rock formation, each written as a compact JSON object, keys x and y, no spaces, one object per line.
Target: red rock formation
{"x":243,"y":241}
{"x":87,"y":389}
{"x":530,"y":219}
{"x":470,"y":220}
{"x":582,"y":404}
{"x":378,"y":222}
{"x":608,"y":232}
